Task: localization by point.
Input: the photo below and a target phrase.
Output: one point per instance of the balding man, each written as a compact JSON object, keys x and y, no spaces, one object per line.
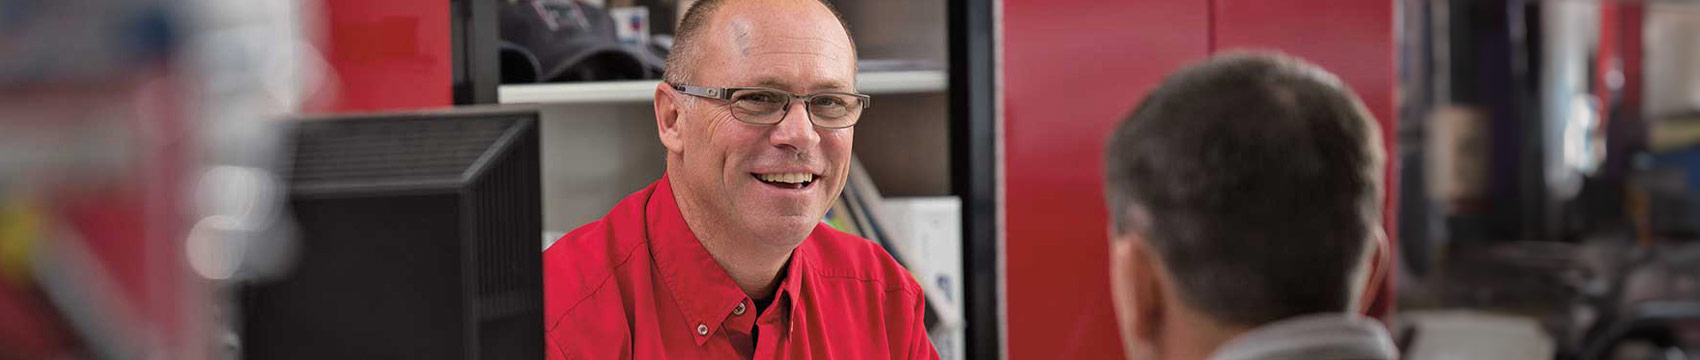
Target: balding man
{"x":725,"y":256}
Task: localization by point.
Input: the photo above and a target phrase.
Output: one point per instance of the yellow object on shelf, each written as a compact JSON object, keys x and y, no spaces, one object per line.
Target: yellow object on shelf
{"x":1673,"y":133}
{"x":21,"y":225}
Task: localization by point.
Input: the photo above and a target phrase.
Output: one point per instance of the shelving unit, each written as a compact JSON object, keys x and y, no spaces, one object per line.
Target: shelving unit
{"x":876,"y":82}
{"x":600,"y":140}
{"x":599,"y":144}
{"x":929,"y":135}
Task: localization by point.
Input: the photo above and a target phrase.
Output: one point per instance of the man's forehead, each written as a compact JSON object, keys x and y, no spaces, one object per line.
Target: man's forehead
{"x":756,"y":37}
{"x":749,"y":31}
{"x":795,"y":15}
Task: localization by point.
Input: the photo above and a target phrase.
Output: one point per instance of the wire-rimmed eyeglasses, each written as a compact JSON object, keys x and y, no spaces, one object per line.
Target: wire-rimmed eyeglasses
{"x":768,"y":106}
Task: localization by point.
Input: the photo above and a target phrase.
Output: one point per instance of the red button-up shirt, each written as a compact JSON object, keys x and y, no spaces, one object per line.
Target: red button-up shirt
{"x":638,"y":285}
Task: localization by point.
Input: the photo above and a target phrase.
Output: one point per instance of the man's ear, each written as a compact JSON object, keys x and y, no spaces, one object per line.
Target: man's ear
{"x":1148,"y":292}
{"x":1137,"y":293}
{"x":1373,"y":269}
{"x":667,"y":118}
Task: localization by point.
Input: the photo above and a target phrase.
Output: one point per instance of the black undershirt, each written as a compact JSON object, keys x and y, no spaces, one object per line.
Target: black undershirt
{"x":761,"y":305}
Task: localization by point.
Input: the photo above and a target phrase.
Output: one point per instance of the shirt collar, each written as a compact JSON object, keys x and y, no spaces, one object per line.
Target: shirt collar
{"x":1317,"y":336}
{"x":703,"y":290}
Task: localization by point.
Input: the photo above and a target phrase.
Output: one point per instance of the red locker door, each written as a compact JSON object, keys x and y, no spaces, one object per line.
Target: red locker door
{"x":1072,"y":70}
{"x":384,"y":55}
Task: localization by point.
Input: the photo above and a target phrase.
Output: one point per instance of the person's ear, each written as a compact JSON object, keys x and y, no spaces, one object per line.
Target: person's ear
{"x":667,"y":118}
{"x":1148,"y":292}
{"x":1376,"y":263}
{"x":1136,"y":293}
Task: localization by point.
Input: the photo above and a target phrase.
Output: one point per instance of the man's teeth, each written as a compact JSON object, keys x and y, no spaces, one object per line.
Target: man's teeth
{"x":790,"y":178}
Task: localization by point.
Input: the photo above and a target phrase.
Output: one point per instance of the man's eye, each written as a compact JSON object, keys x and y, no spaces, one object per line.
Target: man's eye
{"x":827,"y":101}
{"x":760,"y":98}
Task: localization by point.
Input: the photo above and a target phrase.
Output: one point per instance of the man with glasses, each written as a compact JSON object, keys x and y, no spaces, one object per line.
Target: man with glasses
{"x":725,"y":256}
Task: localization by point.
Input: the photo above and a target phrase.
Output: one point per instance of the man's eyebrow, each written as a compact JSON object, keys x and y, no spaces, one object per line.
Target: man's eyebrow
{"x":771,"y":82}
{"x":834,"y":85}
{"x":828,"y":85}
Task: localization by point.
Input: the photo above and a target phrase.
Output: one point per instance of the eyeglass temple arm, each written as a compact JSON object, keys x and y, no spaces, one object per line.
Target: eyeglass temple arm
{"x":703,"y":91}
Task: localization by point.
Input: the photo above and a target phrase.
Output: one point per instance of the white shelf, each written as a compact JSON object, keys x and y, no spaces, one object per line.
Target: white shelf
{"x":873,"y":82}
{"x":902,"y":82}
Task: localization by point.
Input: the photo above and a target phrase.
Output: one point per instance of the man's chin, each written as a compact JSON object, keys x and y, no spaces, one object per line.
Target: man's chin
{"x":783,"y":228}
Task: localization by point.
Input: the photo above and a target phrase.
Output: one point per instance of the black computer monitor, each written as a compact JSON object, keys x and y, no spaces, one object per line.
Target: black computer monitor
{"x":419,"y":238}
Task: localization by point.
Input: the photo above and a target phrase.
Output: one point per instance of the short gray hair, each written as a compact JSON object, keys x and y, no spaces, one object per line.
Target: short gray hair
{"x":1257,"y":179}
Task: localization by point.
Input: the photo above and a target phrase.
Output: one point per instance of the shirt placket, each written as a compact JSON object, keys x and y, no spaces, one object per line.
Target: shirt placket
{"x":775,"y":327}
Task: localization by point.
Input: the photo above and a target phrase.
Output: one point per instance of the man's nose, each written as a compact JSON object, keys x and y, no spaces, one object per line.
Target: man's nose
{"x":795,"y":130}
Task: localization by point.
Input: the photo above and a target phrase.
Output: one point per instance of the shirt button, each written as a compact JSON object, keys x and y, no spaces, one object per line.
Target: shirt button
{"x":738,"y":310}
{"x":702,"y":329}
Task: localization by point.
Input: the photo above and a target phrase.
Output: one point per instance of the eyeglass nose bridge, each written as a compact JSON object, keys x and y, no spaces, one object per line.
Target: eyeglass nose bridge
{"x":795,"y":101}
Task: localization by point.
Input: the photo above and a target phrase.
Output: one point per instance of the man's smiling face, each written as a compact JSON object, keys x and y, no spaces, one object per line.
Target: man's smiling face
{"x":773,"y":183}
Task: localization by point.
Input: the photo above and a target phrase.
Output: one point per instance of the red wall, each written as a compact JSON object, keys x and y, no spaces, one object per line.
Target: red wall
{"x":385,"y":55}
{"x":1071,"y":70}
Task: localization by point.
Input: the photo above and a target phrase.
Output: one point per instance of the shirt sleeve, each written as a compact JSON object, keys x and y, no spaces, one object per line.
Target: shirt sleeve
{"x":921,"y":346}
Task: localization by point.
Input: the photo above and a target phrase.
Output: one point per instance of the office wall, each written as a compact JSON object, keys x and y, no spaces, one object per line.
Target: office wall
{"x":1071,"y":70}
{"x":382,"y":55}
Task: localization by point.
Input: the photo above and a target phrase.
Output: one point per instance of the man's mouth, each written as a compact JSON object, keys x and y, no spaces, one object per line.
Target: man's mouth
{"x":786,"y":180}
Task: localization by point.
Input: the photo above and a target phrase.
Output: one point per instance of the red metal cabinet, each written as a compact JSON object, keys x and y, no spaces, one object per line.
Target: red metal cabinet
{"x":384,"y":55}
{"x":1071,"y":71}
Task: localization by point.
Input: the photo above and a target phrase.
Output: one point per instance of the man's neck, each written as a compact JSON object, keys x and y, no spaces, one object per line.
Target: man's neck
{"x":756,"y":274}
{"x":754,"y":268}
{"x":1194,"y":336}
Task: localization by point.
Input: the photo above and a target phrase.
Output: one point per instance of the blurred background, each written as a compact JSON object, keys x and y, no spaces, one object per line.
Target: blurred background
{"x":217,"y":179}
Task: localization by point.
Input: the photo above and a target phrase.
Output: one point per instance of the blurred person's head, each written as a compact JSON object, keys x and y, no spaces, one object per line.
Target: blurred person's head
{"x":1243,"y":190}
{"x":735,"y":177}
